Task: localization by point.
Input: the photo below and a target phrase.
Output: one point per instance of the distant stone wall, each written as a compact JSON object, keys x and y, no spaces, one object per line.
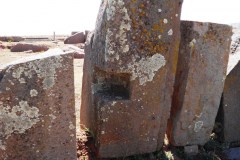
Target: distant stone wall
{"x":37,"y":113}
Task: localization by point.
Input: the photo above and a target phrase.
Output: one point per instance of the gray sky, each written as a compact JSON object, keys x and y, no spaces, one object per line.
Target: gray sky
{"x":42,"y":17}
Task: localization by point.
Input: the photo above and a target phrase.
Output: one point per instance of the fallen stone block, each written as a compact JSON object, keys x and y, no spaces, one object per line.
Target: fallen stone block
{"x":76,"y":38}
{"x":37,"y":113}
{"x":129,"y":70}
{"x":230,"y":110}
{"x":22,"y":47}
{"x":228,"y":114}
{"x":201,"y":72}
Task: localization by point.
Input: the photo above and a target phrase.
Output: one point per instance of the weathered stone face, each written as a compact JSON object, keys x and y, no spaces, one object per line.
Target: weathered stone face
{"x":37,"y":113}
{"x":200,"y":77}
{"x":230,"y":106}
{"x":129,"y":70}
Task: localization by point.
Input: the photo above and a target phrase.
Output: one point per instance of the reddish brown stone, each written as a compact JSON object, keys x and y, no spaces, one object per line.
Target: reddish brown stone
{"x":76,"y":38}
{"x":37,"y":113}
{"x":2,"y":46}
{"x":129,"y":69}
{"x":21,"y":47}
{"x":202,"y":65}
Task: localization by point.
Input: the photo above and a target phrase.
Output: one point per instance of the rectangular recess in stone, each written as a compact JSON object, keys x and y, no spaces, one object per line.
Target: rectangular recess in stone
{"x":201,"y":72}
{"x":111,"y":86}
{"x":37,"y":113}
{"x":230,"y":107}
{"x":131,"y":56}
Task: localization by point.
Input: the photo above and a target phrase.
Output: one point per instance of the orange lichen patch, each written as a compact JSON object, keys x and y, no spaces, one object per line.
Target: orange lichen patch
{"x":142,"y":14}
{"x":133,"y":10}
{"x":156,"y":27}
{"x":134,"y":1}
{"x":141,"y":6}
{"x":145,"y":36}
{"x":210,"y":36}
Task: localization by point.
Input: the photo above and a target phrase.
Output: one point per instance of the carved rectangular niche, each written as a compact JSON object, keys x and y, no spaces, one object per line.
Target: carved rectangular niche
{"x":111,"y":86}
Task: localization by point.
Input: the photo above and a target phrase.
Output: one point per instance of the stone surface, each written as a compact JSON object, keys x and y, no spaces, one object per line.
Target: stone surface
{"x":191,"y":150}
{"x":22,"y":47}
{"x":78,"y":52}
{"x":228,"y":115}
{"x":37,"y":113}
{"x":11,"y":39}
{"x":232,"y":154}
{"x":230,"y":109}
{"x":200,"y":77}
{"x":129,"y":67}
{"x":76,"y":38}
{"x":2,"y":46}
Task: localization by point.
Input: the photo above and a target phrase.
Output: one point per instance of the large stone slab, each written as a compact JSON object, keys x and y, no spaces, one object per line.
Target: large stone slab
{"x":37,"y":113}
{"x":129,"y":70}
{"x":228,"y":115}
{"x":200,"y":77}
{"x":230,"y":108}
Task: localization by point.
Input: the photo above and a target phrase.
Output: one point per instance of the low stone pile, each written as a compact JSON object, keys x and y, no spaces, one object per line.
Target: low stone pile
{"x":11,"y":39}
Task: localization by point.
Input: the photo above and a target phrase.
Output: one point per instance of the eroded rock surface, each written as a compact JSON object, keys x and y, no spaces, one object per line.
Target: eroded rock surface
{"x":129,"y":68}
{"x":230,"y":109}
{"x":228,"y":115}
{"x":201,"y":73}
{"x":37,"y":113}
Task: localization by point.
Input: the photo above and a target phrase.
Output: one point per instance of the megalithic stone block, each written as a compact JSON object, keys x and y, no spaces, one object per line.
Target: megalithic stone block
{"x":129,"y":72}
{"x":201,"y":72}
{"x":37,"y":113}
{"x":230,"y":107}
